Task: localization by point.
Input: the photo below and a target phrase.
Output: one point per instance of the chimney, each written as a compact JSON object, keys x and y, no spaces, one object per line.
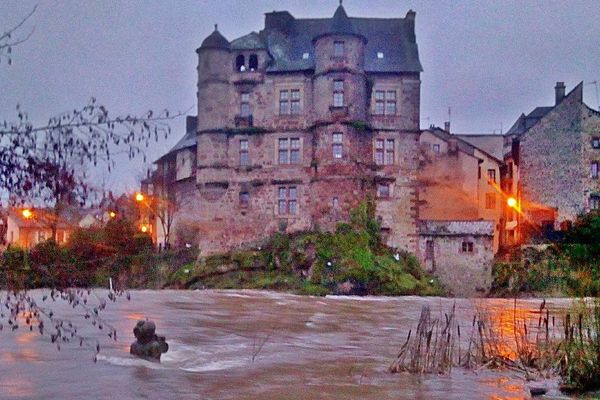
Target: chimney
{"x":452,"y":145}
{"x":559,"y":91}
{"x":191,"y":123}
{"x":447,"y":126}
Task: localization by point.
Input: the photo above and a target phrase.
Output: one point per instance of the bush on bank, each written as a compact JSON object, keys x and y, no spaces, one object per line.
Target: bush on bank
{"x":351,"y":260}
{"x":568,"y":267}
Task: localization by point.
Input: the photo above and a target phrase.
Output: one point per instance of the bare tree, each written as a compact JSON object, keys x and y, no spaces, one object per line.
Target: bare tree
{"x":13,"y":37}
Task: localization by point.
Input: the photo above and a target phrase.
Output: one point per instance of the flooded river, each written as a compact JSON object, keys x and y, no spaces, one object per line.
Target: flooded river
{"x":251,"y":345}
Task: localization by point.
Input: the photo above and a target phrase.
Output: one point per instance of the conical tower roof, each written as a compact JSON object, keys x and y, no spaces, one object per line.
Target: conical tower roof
{"x":215,"y":41}
{"x":340,"y":23}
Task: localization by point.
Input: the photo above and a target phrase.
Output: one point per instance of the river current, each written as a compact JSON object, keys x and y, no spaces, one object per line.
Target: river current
{"x":251,"y":345}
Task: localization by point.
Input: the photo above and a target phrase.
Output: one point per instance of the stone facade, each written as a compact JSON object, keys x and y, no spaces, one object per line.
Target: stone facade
{"x":460,"y":253}
{"x":300,"y":123}
{"x":554,"y":156}
{"x":458,"y":181}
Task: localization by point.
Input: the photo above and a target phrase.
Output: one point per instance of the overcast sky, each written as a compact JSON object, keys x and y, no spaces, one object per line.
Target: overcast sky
{"x":487,"y":60}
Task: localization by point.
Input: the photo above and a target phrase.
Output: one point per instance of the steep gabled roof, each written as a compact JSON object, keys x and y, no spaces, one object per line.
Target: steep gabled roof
{"x":288,"y":39}
{"x":526,"y":122}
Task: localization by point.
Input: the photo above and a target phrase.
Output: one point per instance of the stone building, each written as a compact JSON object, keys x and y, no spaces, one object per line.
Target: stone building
{"x":459,"y":182}
{"x":301,"y":121}
{"x":552,"y":156}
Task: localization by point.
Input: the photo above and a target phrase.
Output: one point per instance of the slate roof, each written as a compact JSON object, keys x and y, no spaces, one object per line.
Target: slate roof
{"x":456,"y":228}
{"x":189,"y":139}
{"x":288,"y":38}
{"x":251,"y":41}
{"x":215,"y":41}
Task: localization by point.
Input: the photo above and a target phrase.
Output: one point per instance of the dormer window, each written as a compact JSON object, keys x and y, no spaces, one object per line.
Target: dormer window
{"x":338,"y":49}
{"x":240,"y":63}
{"x":253,"y":62}
{"x":380,"y":55}
{"x":305,"y":56}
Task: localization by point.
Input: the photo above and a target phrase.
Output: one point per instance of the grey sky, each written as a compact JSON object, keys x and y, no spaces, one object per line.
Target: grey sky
{"x":488,"y":60}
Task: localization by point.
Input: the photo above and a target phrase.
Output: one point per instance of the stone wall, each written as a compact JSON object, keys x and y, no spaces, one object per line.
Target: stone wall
{"x":459,"y":253}
{"x":553,"y":172}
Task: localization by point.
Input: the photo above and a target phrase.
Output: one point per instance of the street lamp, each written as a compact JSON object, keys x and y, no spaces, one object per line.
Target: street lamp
{"x":27,"y":213}
{"x":112,"y":214}
{"x":144,"y":228}
{"x":139,"y":197}
{"x":512,"y":202}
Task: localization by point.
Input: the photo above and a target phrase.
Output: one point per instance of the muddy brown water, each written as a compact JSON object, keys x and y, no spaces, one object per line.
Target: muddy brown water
{"x":252,"y":345}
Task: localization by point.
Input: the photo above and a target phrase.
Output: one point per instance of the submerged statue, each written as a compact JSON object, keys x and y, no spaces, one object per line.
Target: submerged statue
{"x":148,"y":345}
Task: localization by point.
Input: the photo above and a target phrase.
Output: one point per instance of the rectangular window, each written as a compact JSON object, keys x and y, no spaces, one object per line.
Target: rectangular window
{"x":492,"y":175}
{"x":379,"y":151}
{"x":338,"y":49}
{"x":596,"y":143}
{"x":284,"y":151}
{"x":245,"y":105}
{"x":338,"y":93}
{"x":289,"y":151}
{"x":435,"y":148}
{"x":490,"y":201}
{"x":385,"y":102}
{"x":335,"y":203}
{"x":390,"y":102}
{"x":41,"y":236}
{"x":244,"y":156}
{"x":595,"y":170}
{"x":467,"y":247}
{"x":429,"y":250}
{"x":383,"y":191}
{"x":389,"y":152}
{"x":287,"y":200}
{"x":284,"y":102}
{"x":244,"y":199}
{"x":594,"y":202}
{"x":338,"y":146}
{"x":379,"y":102}
{"x":295,"y":102}
{"x":294,"y":150}
{"x":60,"y":236}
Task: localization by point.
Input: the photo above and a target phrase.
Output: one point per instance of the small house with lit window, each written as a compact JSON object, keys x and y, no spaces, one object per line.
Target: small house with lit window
{"x":28,"y":227}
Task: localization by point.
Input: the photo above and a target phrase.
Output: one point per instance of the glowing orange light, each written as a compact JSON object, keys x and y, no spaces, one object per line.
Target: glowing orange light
{"x":112,"y":214}
{"x":139,"y":197}
{"x":512,"y":202}
{"x":144,"y":228}
{"x":26,"y":213}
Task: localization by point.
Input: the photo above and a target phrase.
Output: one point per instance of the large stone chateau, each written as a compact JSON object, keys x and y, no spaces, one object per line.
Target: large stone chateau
{"x":300,"y":122}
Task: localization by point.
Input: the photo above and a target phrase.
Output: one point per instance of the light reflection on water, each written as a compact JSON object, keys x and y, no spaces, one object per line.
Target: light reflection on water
{"x":255,"y":345}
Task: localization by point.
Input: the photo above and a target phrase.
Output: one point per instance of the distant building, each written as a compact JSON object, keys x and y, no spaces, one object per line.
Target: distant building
{"x":459,"y":182}
{"x":552,"y":158}
{"x":30,"y":229}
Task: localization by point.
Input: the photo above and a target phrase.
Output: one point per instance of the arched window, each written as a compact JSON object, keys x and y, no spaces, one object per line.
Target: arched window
{"x":253,"y":62}
{"x":240,"y":62}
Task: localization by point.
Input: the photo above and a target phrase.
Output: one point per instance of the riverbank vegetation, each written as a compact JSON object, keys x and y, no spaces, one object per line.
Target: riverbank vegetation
{"x":536,"y":345}
{"x":569,"y":266}
{"x":351,"y":260}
